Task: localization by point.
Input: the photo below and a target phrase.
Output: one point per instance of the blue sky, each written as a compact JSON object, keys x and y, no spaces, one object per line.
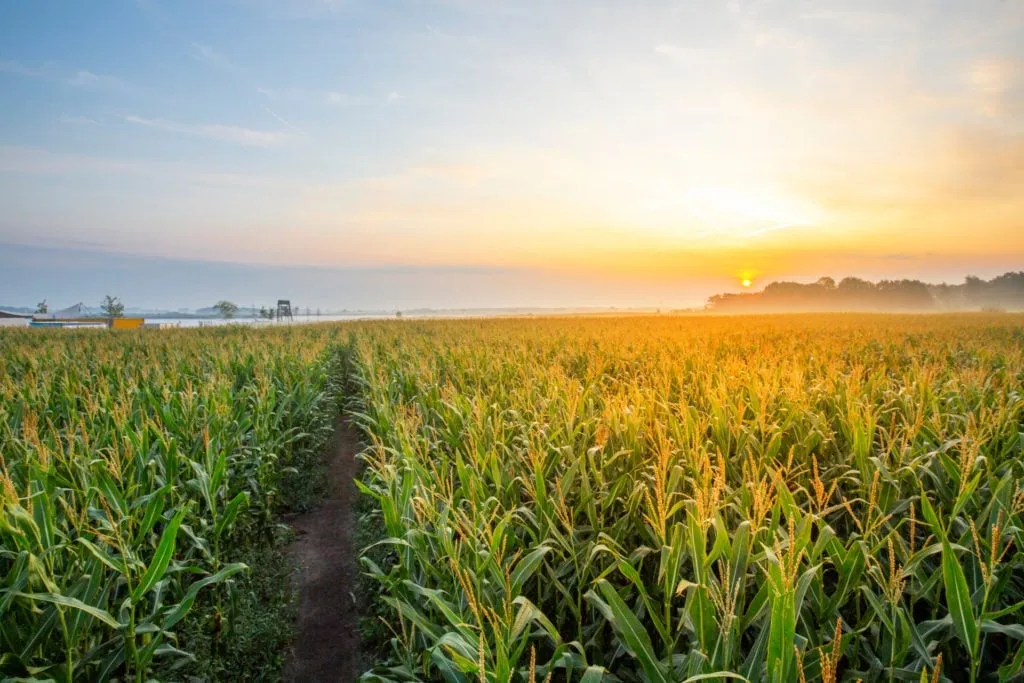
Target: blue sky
{"x":675,"y":146}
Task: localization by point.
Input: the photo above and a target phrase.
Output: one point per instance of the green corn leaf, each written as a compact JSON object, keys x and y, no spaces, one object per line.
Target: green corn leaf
{"x":1003,"y":612}
{"x":101,"y":555}
{"x":230,"y":512}
{"x":629,"y":628}
{"x":161,"y":558}
{"x":881,"y":609}
{"x":175,"y":614}
{"x":1015,"y":631}
{"x":114,"y":499}
{"x":849,"y":573}
{"x":958,"y":599}
{"x":593,"y":674}
{"x":931,"y":517}
{"x":89,"y":594}
{"x":529,"y":613}
{"x":74,"y":603}
{"x":1014,"y":666}
{"x":154,"y":508}
{"x":527,"y":566}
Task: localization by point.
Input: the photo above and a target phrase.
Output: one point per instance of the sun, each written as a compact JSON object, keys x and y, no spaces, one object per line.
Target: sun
{"x":746,"y":282}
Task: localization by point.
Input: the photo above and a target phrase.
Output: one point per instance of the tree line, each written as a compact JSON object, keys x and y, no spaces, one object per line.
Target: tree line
{"x":1005,"y":292}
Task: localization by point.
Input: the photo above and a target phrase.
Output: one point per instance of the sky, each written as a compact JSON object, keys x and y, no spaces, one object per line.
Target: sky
{"x":528,"y":152}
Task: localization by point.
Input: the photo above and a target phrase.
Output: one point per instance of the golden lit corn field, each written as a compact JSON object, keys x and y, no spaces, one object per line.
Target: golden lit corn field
{"x":814,"y":498}
{"x":795,"y":498}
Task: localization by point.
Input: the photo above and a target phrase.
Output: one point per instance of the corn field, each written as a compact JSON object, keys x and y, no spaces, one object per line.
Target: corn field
{"x":808,"y":498}
{"x":132,"y":465}
{"x":805,"y":498}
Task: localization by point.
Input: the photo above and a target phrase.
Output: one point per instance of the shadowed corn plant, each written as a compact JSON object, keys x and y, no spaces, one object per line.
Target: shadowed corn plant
{"x":132,"y":467}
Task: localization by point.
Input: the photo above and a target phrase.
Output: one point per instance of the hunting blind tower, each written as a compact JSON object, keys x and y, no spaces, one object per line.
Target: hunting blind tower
{"x":284,"y":309}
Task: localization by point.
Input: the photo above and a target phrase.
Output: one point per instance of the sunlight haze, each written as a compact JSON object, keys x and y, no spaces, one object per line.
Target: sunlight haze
{"x":695,"y":143}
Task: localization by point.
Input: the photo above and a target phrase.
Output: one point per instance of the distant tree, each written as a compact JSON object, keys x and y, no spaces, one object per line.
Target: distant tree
{"x":1005,"y":292}
{"x":267,"y":313}
{"x":112,"y":307}
{"x":227,"y":309}
{"x":855,"y":284}
{"x":42,"y":307}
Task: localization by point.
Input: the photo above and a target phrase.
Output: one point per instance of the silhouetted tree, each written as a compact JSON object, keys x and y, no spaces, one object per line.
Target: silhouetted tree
{"x":855,"y":285}
{"x":112,"y":307}
{"x":826,"y":283}
{"x":1001,"y":293}
{"x":226,"y":309}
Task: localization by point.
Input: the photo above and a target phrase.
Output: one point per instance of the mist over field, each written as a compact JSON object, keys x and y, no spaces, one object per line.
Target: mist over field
{"x":64,"y":276}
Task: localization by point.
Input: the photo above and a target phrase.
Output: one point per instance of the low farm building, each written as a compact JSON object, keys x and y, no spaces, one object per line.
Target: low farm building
{"x":14,"y":319}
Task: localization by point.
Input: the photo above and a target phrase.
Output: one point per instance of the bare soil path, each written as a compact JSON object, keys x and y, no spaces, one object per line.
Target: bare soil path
{"x":327,"y":638}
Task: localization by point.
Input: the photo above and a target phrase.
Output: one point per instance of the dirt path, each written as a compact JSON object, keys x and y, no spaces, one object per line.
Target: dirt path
{"x":327,"y":638}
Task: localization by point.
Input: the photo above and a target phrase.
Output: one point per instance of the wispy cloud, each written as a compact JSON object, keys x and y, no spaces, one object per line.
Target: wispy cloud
{"x":332,"y":98}
{"x":91,"y":81}
{"x":297,"y":9}
{"x":279,"y":118}
{"x":33,"y":160}
{"x":52,"y":71}
{"x":205,"y":53}
{"x":340,"y":99}
{"x":215,"y":131}
{"x":394,"y":96}
{"x":77,"y":120}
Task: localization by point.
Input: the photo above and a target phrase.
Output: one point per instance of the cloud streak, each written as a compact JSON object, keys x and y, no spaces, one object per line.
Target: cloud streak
{"x":91,"y":81}
{"x":54,"y":72}
{"x":37,"y":161}
{"x":330,"y":98}
{"x":78,"y":120}
{"x":279,"y":118}
{"x":205,"y":53}
{"x":214,"y":131}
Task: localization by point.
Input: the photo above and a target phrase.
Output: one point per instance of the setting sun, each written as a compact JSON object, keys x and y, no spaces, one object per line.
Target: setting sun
{"x":746,"y":282}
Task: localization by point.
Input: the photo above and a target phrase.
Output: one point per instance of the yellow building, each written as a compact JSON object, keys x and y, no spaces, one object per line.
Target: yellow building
{"x":126,"y":323}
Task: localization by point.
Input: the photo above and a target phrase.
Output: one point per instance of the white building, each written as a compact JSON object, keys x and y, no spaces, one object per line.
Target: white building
{"x":14,"y":319}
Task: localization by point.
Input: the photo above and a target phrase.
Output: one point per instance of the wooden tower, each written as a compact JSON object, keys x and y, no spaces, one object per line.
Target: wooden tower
{"x":284,"y":309}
